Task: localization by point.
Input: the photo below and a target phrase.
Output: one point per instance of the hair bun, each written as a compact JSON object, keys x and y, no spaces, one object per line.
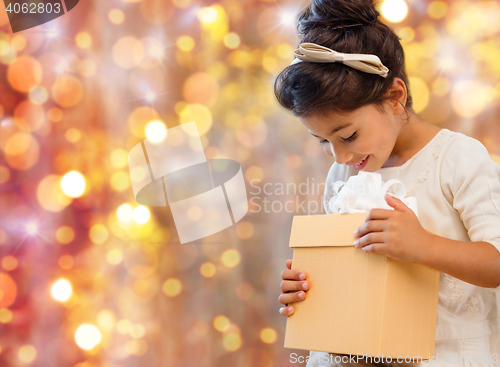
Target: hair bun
{"x":336,"y":13}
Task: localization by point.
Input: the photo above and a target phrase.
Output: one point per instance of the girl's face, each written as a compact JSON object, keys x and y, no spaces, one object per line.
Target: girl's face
{"x":364,"y":138}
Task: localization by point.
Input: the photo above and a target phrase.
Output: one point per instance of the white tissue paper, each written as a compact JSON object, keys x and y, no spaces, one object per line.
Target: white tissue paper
{"x":366,"y":191}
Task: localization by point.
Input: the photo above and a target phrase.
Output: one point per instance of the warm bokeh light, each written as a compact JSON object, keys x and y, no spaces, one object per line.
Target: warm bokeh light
{"x":208,"y":270}
{"x":230,"y":258}
{"x":208,"y":15}
{"x":6,"y":315}
{"x":66,"y":262}
{"x":232,"y":341}
{"x":61,"y":290}
{"x":65,"y":235}
{"x":83,"y":40}
{"x":268,"y":335}
{"x":221,"y":323}
{"x":98,"y":234}
{"x":156,"y":131}
{"x":116,"y":16}
{"x":27,"y":353}
{"x":172,"y":287}
{"x":141,"y":214}
{"x":73,"y":184}
{"x":106,"y":320}
{"x":9,"y":263}
{"x":185,"y":43}
{"x":115,"y":256}
{"x":394,"y":10}
{"x":87,"y":336}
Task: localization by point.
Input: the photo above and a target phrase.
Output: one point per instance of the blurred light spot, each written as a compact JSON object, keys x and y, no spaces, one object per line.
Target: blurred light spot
{"x":115,"y":256}
{"x":244,"y":291}
{"x":87,"y":68}
{"x":208,"y":15}
{"x":207,"y":270}
{"x":123,"y":326}
{"x":8,"y":290}
{"x":198,"y":113}
{"x":24,"y":73}
{"x":67,"y":91}
{"x":106,"y":320}
{"x":50,"y":195}
{"x":18,"y":42}
{"x":244,"y":230}
{"x":194,"y":213}
{"x":141,"y":214}
{"x":232,"y":40}
{"x":120,"y":181}
{"x":73,"y":135}
{"x":66,"y":262}
{"x":98,"y":234}
{"x":251,"y":132}
{"x":137,"y":347}
{"x":221,"y":323}
{"x":116,"y":16}
{"x":83,"y":40}
{"x":27,"y":353}
{"x":394,"y":10}
{"x":230,"y":258}
{"x":73,"y":184}
{"x":268,"y":335}
{"x":125,"y":212}
{"x":4,"y":174}
{"x":231,"y":341}
{"x":38,"y":95}
{"x":139,"y":118}
{"x":407,"y":34}
{"x":437,"y":9}
{"x":293,"y":161}
{"x":285,"y":51}
{"x":61,"y":290}
{"x":441,"y":86}
{"x":156,"y":131}
{"x":180,"y":106}
{"x":172,"y":287}
{"x":288,"y":18}
{"x":254,"y":173}
{"x":55,"y":114}
{"x":137,"y":331}
{"x":185,"y":43}
{"x":469,"y":98}
{"x":419,"y":93}
{"x":5,"y":316}
{"x":128,"y":52}
{"x":269,"y":63}
{"x":201,"y":88}
{"x":22,"y":151}
{"x":119,"y":158}
{"x":65,"y":235}
{"x":150,"y":96}
{"x":87,"y":336}
{"x":31,"y":228}
{"x":182,"y":3}
{"x":9,"y":263}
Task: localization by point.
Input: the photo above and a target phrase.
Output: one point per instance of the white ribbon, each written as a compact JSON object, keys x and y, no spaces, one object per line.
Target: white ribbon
{"x":367,"y":63}
{"x":366,"y":191}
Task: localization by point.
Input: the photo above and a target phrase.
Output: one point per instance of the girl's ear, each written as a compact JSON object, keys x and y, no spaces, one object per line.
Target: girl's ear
{"x":397,"y":96}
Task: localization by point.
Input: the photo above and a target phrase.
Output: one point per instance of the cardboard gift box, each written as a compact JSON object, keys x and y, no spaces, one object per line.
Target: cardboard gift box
{"x":358,"y":303}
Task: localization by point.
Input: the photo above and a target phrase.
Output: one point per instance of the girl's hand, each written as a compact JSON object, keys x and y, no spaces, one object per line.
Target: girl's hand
{"x":293,"y":288}
{"x":396,"y":233}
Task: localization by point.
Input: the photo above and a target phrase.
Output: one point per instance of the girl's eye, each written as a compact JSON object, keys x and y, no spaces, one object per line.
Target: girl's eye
{"x":350,"y":138}
{"x":323,"y":142}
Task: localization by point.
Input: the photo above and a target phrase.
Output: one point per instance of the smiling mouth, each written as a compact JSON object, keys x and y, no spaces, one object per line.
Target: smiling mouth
{"x":358,"y":164}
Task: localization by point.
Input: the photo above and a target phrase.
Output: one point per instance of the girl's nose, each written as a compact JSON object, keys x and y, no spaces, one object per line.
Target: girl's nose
{"x":341,"y":157}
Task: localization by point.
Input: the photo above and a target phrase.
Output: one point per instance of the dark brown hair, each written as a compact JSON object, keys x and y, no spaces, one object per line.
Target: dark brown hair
{"x":348,"y":26}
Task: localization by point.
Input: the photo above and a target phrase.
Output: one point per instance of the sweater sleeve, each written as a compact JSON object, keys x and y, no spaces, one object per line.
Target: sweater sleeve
{"x":472,"y":179}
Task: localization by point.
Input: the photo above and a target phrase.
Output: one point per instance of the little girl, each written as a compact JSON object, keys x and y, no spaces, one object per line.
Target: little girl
{"x":348,"y":86}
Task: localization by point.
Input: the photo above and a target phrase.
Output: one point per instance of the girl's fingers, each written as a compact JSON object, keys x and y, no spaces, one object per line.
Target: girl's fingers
{"x":289,"y":263}
{"x":286,"y":298}
{"x":287,"y":311}
{"x":371,"y":226}
{"x":292,"y":285}
{"x":293,"y":275}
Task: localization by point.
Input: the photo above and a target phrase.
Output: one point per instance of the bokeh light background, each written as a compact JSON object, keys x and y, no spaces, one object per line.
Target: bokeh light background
{"x":90,"y":278}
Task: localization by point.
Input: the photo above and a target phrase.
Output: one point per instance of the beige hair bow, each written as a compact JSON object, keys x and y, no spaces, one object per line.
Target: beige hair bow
{"x":316,"y":53}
